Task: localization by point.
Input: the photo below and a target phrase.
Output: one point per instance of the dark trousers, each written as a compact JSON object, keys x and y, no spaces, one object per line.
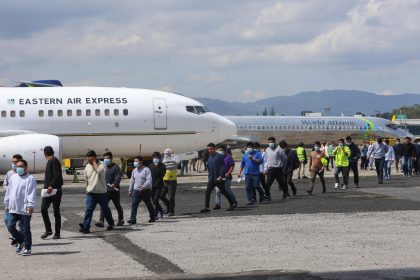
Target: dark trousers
{"x":93,"y":199}
{"x":379,"y":163}
{"x":45,"y":204}
{"x":115,"y":197}
{"x":24,"y":235}
{"x":331,"y":160}
{"x":364,"y":163}
{"x":210,"y":188}
{"x":397,"y":162}
{"x":288,"y":181}
{"x":170,"y":189}
{"x":156,"y":193}
{"x":252,"y":184}
{"x":276,"y":174}
{"x":353,"y":167}
{"x":344,"y":172}
{"x":136,"y":198}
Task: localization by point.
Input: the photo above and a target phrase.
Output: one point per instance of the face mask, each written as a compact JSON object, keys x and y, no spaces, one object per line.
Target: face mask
{"x":348,"y":143}
{"x":20,"y":171}
{"x":398,"y":142}
{"x":221,"y":152}
{"x":331,"y":146}
{"x":14,"y":166}
{"x":136,"y":164}
{"x":317,"y":148}
{"x":271,"y":145}
{"x":107,"y":161}
{"x":249,"y":150}
{"x":156,"y":161}
{"x":341,"y":145}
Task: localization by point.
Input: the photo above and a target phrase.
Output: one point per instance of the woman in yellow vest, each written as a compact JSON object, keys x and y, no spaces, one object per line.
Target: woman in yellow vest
{"x":341,"y":154}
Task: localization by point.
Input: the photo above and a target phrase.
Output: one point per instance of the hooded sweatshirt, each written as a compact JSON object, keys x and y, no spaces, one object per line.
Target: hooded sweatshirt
{"x":21,"y":194}
{"x":171,"y":162}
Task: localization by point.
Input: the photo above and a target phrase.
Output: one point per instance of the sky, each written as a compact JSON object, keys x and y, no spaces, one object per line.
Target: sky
{"x":236,"y":50}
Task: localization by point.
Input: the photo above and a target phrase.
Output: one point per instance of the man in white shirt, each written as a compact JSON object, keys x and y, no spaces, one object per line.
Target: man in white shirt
{"x":389,"y":159}
{"x":20,"y":201}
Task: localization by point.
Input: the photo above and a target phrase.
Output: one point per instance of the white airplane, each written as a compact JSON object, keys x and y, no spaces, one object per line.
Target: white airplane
{"x":128,"y":122}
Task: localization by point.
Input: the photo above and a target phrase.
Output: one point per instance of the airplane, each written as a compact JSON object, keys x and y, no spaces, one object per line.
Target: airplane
{"x":296,"y":129}
{"x":128,"y":122}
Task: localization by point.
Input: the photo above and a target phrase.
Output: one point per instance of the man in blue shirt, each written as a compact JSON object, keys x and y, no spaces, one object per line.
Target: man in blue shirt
{"x":216,"y":168}
{"x":250,"y":166}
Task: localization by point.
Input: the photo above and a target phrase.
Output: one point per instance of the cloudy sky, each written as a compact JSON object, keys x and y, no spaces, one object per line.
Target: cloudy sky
{"x":229,"y":49}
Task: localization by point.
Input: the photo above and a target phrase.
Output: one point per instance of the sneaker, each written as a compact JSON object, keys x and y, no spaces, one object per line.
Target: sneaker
{"x":357,"y":187}
{"x":298,"y":177}
{"x":250,"y":203}
{"x":336,"y":186}
{"x":205,"y":210}
{"x":82,"y":226}
{"x":110,"y":227}
{"x":344,"y":187}
{"x":171,"y":214}
{"x":304,"y":177}
{"x":84,"y":230}
{"x":99,"y":224}
{"x":231,"y":208}
{"x":131,"y":222}
{"x":26,"y":252}
{"x":161,"y":213}
{"x":120,"y":223}
{"x":217,"y":207}
{"x":46,"y":234}
{"x":19,"y":248}
{"x":152,"y":220}
{"x":56,"y":236}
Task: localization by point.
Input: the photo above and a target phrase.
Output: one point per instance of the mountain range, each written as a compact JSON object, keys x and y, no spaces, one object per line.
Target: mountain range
{"x":346,"y":102}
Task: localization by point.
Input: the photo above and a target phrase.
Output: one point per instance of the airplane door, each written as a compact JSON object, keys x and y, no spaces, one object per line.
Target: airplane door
{"x":159,"y":112}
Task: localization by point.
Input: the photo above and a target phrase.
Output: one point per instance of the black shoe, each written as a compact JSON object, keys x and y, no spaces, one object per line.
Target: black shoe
{"x":309,"y":192}
{"x":324,"y":191}
{"x":286,"y":197}
{"x":152,"y":220}
{"x":217,"y":207}
{"x":81,"y":225}
{"x":171,"y":214}
{"x":261,"y":199}
{"x":110,"y":227}
{"x":120,"y":223}
{"x":304,"y":177}
{"x":84,"y":230}
{"x":235,"y":205}
{"x":250,"y":203}
{"x":166,"y":211}
{"x":380,"y":182}
{"x":131,"y":222}
{"x":205,"y":210}
{"x":99,"y":224}
{"x":46,"y":234}
{"x":56,"y":236}
{"x":231,"y":208}
{"x":14,"y":242}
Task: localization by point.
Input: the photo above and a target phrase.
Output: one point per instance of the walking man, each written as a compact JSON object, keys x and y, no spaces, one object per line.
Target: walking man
{"x":171,"y":161}
{"x":53,"y":180}
{"x":158,"y":170}
{"x":141,"y":190}
{"x":389,"y":158}
{"x":363,"y":156}
{"x":353,"y":158}
{"x":19,"y":202}
{"x":216,"y":178}
{"x":408,"y":157}
{"x":229,"y":166}
{"x":291,"y":163}
{"x":378,"y":151}
{"x":96,"y":192}
{"x":113,"y":178}
{"x":316,"y":167}
{"x":341,"y":154}
{"x":273,"y":167}
{"x":398,"y":154}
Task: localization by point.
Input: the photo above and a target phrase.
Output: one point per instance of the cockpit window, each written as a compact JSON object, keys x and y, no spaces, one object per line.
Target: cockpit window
{"x":198,"y":110}
{"x":392,"y":126}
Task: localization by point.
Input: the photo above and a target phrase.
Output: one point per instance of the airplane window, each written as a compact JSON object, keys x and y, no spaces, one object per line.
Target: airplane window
{"x":392,"y":126}
{"x":201,"y":109}
{"x":41,"y":113}
{"x":191,"y":109}
{"x":50,"y":113}
{"x":259,"y":127}
{"x":3,"y":114}
{"x":106,"y":112}
{"x":263,"y":127}
{"x":88,"y":112}
{"x":69,"y":113}
{"x":116,"y":112}
{"x":22,"y":114}
{"x":97,"y":112}
{"x":13,"y":114}
{"x":60,"y":113}
{"x":79,"y":112}
{"x":125,"y":112}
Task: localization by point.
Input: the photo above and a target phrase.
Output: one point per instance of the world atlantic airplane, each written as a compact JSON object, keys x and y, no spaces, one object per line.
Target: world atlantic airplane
{"x":128,"y":122}
{"x":296,"y":129}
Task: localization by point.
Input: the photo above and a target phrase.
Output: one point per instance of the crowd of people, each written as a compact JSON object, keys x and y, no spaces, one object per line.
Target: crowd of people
{"x":157,"y":182}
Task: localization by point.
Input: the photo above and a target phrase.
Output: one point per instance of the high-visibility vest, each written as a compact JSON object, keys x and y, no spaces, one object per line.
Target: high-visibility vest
{"x":301,"y":152}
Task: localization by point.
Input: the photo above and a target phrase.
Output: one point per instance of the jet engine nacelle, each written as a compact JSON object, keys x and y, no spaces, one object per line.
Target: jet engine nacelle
{"x":31,"y":147}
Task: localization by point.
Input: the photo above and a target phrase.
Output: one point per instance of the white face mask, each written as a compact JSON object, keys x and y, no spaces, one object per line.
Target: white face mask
{"x":221,"y":152}
{"x":317,"y":148}
{"x":249,"y":150}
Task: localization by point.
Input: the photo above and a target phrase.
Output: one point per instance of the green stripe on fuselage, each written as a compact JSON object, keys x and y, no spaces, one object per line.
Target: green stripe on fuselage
{"x":370,"y":123}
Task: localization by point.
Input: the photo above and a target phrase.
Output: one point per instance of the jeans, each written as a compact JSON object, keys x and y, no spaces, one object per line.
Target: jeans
{"x":115,"y":197}
{"x":228,"y":189}
{"x":353,"y":167}
{"x":170,"y":189}
{"x":315,"y":172}
{"x":92,"y":199}
{"x":221,"y":186}
{"x":344,"y":171}
{"x":252,"y":182}
{"x":380,"y":163}
{"x":45,"y":204}
{"x":387,"y":168}
{"x":407,"y":165}
{"x":275,"y":174}
{"x":136,"y":198}
{"x":24,"y":235}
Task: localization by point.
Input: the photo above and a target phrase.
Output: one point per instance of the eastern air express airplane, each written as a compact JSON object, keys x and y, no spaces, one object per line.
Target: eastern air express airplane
{"x":128,"y":122}
{"x":310,"y":129}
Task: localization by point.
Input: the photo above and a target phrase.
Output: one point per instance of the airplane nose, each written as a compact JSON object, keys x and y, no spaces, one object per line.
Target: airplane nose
{"x":227,"y":129}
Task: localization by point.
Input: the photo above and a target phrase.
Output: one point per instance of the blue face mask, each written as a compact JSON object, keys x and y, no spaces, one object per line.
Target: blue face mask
{"x":271,"y":145}
{"x":317,"y":148}
{"x":136,"y":164}
{"x":156,"y":160}
{"x":20,"y":171}
{"x":14,"y":166}
{"x":249,"y":150}
{"x":107,"y":161}
{"x":341,"y":145}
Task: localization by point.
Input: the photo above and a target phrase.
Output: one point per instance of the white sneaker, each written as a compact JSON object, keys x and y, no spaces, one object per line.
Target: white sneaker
{"x":336,"y":186}
{"x":344,"y":187}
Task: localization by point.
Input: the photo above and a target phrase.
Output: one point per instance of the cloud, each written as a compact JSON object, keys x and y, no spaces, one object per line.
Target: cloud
{"x":252,"y":95}
{"x":211,"y":77}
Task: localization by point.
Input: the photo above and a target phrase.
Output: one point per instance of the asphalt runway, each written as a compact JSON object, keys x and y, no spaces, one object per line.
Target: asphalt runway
{"x":366,"y":233}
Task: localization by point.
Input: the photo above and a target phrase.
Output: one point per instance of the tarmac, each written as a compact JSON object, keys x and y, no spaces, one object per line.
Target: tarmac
{"x":366,"y":233}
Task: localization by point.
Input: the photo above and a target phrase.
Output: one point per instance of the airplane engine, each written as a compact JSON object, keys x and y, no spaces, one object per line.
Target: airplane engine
{"x":31,"y":147}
